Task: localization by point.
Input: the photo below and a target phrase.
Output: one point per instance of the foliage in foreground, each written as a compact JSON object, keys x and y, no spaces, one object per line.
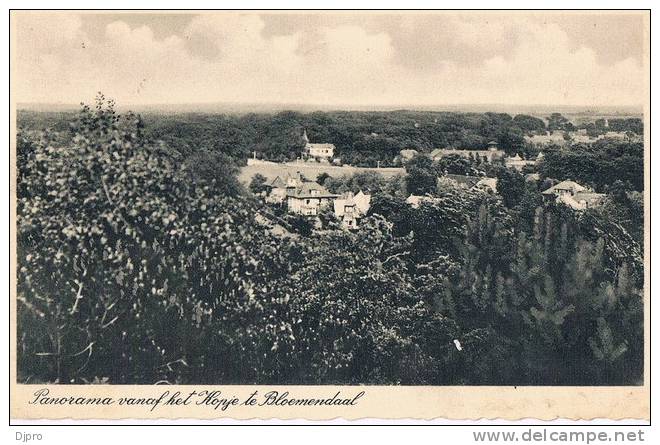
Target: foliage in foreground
{"x":132,"y":270}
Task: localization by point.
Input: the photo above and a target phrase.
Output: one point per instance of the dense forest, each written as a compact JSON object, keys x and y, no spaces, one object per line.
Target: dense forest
{"x":598,"y":164}
{"x":361,"y":138}
{"x":142,"y":259}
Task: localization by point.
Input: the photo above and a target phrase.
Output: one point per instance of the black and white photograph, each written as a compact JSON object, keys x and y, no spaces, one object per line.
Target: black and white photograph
{"x":347,"y":198}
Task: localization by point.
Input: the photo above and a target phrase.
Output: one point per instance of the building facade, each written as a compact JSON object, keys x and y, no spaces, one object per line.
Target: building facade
{"x":309,"y":199}
{"x":574,"y":195}
{"x":323,"y":151}
{"x":350,"y":208}
{"x":492,"y":154}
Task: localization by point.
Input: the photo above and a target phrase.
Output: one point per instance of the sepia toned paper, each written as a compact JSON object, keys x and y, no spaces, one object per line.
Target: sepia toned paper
{"x":360,"y":401}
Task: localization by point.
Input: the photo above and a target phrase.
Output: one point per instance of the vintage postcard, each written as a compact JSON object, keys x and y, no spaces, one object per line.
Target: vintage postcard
{"x":330,"y":214}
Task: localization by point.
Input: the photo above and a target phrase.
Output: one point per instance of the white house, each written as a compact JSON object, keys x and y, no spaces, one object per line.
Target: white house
{"x":309,"y":198}
{"x":415,"y":201}
{"x":556,"y":137}
{"x":280,"y":188}
{"x":493,"y":153}
{"x":564,"y":188}
{"x":574,"y":195}
{"x":487,"y":184}
{"x":582,"y":201}
{"x":349,"y":208}
{"x":363,"y":202}
{"x":518,"y":163}
{"x":323,"y":151}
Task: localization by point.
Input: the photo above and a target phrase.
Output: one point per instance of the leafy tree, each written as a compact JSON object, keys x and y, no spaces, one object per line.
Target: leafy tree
{"x":300,"y":224}
{"x":529,"y":124}
{"x":512,"y":141}
{"x":132,"y":269}
{"x":557,"y":122}
{"x":359,"y":321}
{"x":511,"y":186}
{"x":421,"y":162}
{"x":258,"y":184}
{"x":421,"y":182}
{"x":634,"y":125}
{"x":422,"y":175}
{"x":599,"y":164}
{"x":119,"y":249}
{"x":459,"y":165}
{"x":322,"y":177}
{"x":328,"y":219}
{"x":214,"y":170}
{"x":386,"y":205}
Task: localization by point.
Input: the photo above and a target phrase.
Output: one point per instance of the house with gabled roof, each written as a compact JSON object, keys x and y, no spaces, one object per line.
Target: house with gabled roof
{"x":309,"y":198}
{"x":462,"y":181}
{"x":363,"y":202}
{"x":280,"y":188}
{"x":350,"y":208}
{"x":487,"y":185}
{"x":493,"y":153}
{"x":323,"y":151}
{"x":564,"y":188}
{"x":519,"y":163}
{"x":574,"y":195}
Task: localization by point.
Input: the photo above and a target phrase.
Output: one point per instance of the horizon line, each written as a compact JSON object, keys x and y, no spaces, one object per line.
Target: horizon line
{"x":333,"y":107}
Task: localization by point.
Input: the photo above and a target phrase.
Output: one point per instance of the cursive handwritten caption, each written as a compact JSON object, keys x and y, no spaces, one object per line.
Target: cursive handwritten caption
{"x":213,"y":399}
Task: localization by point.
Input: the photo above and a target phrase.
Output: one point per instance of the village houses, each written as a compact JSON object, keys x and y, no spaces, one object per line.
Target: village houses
{"x":309,"y":199}
{"x":491,"y":154}
{"x":519,"y":163}
{"x":350,"y":208}
{"x":415,"y":201}
{"x":281,"y":188}
{"x":482,"y":183}
{"x":574,"y":195}
{"x":304,"y":197}
{"x":321,"y":151}
{"x":555,"y":137}
{"x":300,"y":195}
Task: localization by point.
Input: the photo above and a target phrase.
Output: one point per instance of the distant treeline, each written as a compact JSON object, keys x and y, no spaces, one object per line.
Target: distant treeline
{"x":361,"y":138}
{"x":135,"y":266}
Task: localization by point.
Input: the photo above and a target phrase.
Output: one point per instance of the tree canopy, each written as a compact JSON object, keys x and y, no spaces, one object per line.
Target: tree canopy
{"x":142,"y":260}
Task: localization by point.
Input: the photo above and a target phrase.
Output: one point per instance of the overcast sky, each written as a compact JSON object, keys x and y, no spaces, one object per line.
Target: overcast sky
{"x":332,"y":59}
